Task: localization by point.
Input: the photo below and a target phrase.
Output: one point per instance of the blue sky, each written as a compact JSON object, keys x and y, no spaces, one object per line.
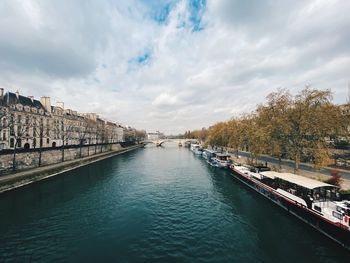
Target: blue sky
{"x":172,"y":65}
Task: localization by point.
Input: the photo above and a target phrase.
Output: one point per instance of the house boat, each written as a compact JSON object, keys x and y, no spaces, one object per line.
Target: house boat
{"x":222,"y":160}
{"x":316,"y":203}
{"x":208,"y":154}
{"x":196,"y":149}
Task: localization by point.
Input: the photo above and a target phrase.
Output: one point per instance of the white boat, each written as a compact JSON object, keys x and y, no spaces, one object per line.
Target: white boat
{"x":196,"y":149}
{"x":316,"y":203}
{"x":222,"y":160}
{"x":208,"y":154}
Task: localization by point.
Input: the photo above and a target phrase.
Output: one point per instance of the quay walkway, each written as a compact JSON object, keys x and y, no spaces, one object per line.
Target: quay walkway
{"x":303,"y":166}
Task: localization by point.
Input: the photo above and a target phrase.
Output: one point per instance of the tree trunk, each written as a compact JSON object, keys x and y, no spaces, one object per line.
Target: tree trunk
{"x":39,"y":156}
{"x":14,"y":158}
{"x":62,"y":150}
{"x":62,"y":159}
{"x":40,"y":148}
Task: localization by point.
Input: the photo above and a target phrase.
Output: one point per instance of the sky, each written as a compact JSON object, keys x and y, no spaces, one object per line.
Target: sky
{"x":172,"y":65}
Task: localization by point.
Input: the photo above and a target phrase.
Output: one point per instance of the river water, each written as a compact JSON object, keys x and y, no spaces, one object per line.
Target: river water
{"x":153,"y":205}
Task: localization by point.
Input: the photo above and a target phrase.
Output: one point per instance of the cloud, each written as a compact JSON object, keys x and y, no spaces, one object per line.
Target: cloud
{"x":172,"y":65}
{"x":164,"y":100}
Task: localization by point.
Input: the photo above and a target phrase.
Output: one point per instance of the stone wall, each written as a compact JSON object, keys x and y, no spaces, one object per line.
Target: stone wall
{"x":28,"y":160}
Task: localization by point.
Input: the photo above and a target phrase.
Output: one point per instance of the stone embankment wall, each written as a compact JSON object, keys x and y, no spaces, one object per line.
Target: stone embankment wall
{"x":30,"y":159}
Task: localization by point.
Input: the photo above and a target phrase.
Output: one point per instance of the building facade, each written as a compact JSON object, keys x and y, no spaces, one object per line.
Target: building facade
{"x":29,"y":123}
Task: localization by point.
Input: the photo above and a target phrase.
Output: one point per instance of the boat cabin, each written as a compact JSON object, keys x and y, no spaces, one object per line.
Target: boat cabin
{"x":222,"y":156}
{"x":209,"y":153}
{"x":308,"y":189}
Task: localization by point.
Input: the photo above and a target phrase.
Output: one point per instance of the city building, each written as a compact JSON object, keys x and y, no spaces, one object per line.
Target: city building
{"x":29,"y":123}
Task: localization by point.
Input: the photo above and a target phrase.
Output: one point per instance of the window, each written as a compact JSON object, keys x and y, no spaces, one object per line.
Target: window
{"x":19,"y":143}
{"x":19,"y":130}
{"x":47,"y":141}
{"x":317,"y":208}
{"x":337,"y":215}
{"x":12,"y":143}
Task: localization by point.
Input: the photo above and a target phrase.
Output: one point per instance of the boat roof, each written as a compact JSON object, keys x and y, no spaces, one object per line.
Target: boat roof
{"x":297,"y":179}
{"x":210,"y":151}
{"x":222,"y":154}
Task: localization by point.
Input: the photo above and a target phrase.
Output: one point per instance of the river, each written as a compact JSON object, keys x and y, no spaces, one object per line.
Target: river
{"x":157,"y":204}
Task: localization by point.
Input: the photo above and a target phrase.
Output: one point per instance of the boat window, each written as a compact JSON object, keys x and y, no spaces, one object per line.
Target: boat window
{"x":337,"y":215}
{"x":339,"y":209}
{"x":317,"y":208}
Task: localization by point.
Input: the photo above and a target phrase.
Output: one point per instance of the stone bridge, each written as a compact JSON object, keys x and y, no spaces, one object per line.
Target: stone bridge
{"x":162,"y":141}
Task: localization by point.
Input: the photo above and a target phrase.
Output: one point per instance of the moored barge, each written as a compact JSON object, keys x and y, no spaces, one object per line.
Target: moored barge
{"x":316,"y":203}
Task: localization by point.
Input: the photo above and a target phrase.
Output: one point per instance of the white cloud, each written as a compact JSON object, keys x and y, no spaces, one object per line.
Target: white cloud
{"x":164,"y":99}
{"x":198,"y":69}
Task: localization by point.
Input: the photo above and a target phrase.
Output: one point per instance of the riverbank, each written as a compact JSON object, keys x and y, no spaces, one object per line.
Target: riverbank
{"x":13,"y":181}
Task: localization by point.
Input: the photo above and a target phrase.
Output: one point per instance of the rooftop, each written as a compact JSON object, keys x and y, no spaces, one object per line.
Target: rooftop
{"x":223,"y":154}
{"x":11,"y":98}
{"x":297,"y":179}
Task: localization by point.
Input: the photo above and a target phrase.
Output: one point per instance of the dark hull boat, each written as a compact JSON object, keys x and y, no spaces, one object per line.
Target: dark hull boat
{"x":316,"y":203}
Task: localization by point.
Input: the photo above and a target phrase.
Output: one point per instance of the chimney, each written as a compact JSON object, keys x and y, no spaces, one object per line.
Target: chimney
{"x":45,"y":101}
{"x":17,"y":94}
{"x":60,"y":104}
{"x":31,"y":98}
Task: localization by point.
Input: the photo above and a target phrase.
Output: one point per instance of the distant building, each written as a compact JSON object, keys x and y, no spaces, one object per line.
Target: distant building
{"x":155,"y":135}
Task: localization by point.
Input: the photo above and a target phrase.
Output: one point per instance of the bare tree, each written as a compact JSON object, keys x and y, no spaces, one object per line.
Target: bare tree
{"x":83,"y":131}
{"x":90,"y":127}
{"x":65,"y":133}
{"x":3,"y":122}
{"x":100,"y":135}
{"x":104,"y":137}
{"x":19,"y":129}
{"x":38,"y":132}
